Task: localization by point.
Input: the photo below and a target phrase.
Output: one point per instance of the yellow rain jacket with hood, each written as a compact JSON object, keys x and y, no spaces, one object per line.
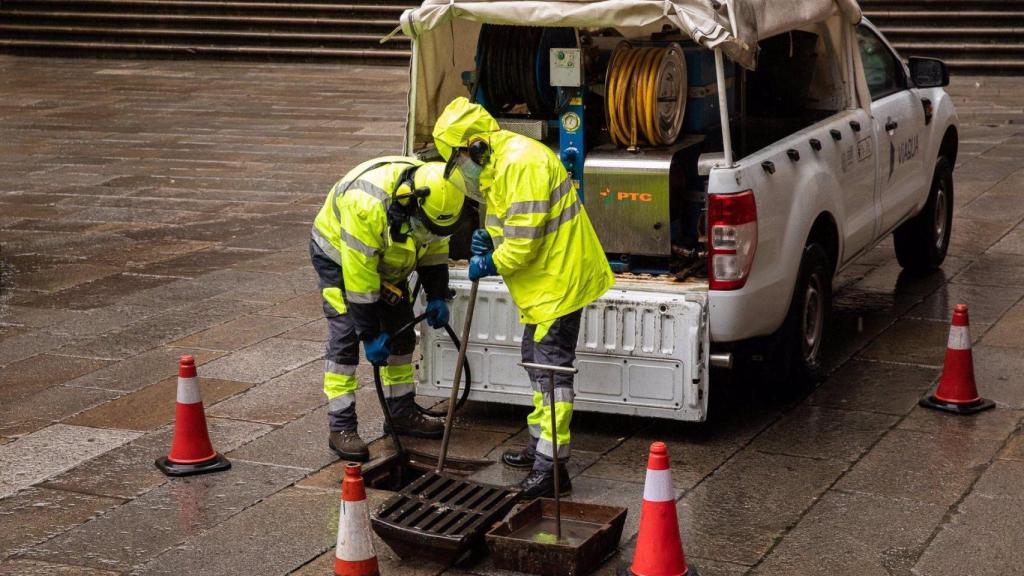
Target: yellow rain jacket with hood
{"x":545,"y":246}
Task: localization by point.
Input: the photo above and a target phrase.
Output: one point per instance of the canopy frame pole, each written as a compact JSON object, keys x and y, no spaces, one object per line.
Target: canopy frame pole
{"x":723,"y":105}
{"x":410,"y":128}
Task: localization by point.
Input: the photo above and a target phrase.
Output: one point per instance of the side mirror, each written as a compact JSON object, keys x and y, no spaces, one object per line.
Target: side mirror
{"x":928,"y":72}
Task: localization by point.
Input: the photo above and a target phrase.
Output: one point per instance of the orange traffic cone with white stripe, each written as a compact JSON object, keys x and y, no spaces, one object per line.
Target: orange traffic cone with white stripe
{"x":958,"y":392}
{"x":659,"y":550}
{"x":354,"y":555}
{"x":191,"y":450}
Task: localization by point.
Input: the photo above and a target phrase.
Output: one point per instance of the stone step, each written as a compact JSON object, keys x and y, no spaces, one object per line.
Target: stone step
{"x":228,"y":8}
{"x":73,"y":48}
{"x":199,"y":21}
{"x":940,"y":18}
{"x":189,"y":36}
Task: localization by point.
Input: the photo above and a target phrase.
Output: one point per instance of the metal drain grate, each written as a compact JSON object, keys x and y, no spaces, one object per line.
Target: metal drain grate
{"x":440,"y":517}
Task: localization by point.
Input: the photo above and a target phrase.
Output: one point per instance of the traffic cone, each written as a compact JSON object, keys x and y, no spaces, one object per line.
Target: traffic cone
{"x":191,"y":451}
{"x":354,"y":555}
{"x":957,"y":391}
{"x":659,"y":550}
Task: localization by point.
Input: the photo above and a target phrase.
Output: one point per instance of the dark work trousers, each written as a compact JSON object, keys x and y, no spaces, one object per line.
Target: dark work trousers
{"x":342,"y":354}
{"x":552,"y":343}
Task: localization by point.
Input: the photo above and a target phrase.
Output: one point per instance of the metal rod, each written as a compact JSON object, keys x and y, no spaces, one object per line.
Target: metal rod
{"x":559,"y":369}
{"x":554,"y":456}
{"x":723,"y":105}
{"x":463,"y":345}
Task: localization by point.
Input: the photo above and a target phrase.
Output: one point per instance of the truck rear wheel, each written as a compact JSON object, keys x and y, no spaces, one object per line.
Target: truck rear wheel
{"x":802,"y":337}
{"x":922,"y":242}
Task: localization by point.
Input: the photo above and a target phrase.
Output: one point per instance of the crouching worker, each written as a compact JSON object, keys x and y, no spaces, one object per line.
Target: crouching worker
{"x":538,"y":237}
{"x":384,"y":219}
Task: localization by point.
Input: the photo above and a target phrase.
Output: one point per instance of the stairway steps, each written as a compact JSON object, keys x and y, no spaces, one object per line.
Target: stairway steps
{"x":198,"y":20}
{"x":75,"y":48}
{"x":186,"y":35}
{"x":161,"y":7}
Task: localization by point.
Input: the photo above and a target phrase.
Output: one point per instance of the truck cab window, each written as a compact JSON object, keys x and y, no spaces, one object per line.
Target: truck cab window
{"x":882,"y":70}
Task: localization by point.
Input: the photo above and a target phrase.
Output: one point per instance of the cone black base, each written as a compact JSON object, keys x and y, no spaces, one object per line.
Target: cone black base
{"x":963,"y":409}
{"x":625,"y":570}
{"x":216,"y":464}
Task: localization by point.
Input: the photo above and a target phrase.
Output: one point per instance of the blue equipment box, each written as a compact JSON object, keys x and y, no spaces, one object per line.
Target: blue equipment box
{"x":702,"y":113}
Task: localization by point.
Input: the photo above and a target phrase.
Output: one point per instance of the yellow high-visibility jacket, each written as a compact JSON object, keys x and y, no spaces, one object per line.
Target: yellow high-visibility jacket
{"x":352,"y":229}
{"x":545,"y":246}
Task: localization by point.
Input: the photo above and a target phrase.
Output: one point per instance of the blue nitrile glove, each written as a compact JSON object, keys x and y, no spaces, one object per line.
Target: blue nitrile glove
{"x":481,"y":243}
{"x":480,"y":266}
{"x":437,"y":313}
{"x":378,"y":349}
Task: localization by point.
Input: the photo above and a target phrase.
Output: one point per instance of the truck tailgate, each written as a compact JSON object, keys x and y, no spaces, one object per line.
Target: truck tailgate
{"x":642,"y":349}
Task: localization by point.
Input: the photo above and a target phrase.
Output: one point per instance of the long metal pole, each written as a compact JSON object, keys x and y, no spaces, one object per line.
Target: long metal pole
{"x":554,"y":457}
{"x":463,"y":345}
{"x":723,"y":105}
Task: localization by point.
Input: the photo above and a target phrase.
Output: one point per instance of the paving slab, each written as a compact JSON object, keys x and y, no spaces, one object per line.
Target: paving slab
{"x":1008,"y":332}
{"x":971,"y":237}
{"x":891,"y":277}
{"x":911,"y":341}
{"x":52,"y":450}
{"x":694,"y":450}
{"x":278,"y":535}
{"x":1002,"y":480}
{"x":1011,"y":243}
{"x":993,"y":270}
{"x":994,"y":424}
{"x":196,"y":263}
{"x":816,"y":432}
{"x":27,"y":377}
{"x":35,"y":514}
{"x":142,"y":370}
{"x":52,"y":280}
{"x":982,"y":539}
{"x":985,"y":305}
{"x":277,"y":401}
{"x":239,"y":333}
{"x":128,"y":471}
{"x":76,"y":324}
{"x":314,"y":331}
{"x":154,"y":522}
{"x":99,"y":293}
{"x":726,"y":518}
{"x":855,"y":534}
{"x":154,"y":405}
{"x":934,"y":468}
{"x":1014,"y":449}
{"x":300,"y":444}
{"x":51,"y":405}
{"x":265,"y":360}
{"x":37,"y":568}
{"x":158,"y":330}
{"x":307,"y":305}
{"x":285,"y":261}
{"x":999,"y":373}
{"x":19,"y":344}
{"x":875,"y":386}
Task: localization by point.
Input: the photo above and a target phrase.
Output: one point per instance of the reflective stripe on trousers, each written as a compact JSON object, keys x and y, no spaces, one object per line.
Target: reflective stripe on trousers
{"x":554,"y":344}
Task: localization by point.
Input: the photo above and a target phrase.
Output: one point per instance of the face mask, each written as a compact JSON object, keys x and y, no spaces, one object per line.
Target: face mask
{"x":470,"y":172}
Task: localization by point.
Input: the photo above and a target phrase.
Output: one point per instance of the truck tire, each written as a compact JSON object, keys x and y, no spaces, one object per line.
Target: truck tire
{"x":802,"y":337}
{"x":922,"y":242}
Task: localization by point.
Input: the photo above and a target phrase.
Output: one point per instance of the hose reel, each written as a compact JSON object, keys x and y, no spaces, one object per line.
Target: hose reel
{"x":645,"y":94}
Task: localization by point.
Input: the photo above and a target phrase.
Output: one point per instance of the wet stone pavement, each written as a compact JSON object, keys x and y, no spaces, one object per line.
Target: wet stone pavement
{"x":153,"y":209}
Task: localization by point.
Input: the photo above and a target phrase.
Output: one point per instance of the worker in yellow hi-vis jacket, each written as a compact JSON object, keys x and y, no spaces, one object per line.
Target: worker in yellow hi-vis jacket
{"x":384,"y":219}
{"x":538,"y":237}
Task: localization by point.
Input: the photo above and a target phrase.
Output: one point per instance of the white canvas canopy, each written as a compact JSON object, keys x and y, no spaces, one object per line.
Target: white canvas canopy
{"x":445,"y":31}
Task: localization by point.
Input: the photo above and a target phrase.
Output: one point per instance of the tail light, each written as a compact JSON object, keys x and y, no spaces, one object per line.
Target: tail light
{"x":732,"y":239}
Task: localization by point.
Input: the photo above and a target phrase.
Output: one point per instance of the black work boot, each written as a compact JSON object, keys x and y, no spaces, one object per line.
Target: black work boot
{"x":412,"y":423}
{"x":519,"y":458}
{"x":541,"y":484}
{"x":349,"y":446}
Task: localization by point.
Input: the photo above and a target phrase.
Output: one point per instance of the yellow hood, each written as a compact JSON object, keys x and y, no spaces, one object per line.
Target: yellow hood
{"x":460,"y":120}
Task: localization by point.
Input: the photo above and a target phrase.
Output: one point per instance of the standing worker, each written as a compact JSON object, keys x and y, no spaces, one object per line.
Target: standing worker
{"x":538,"y":237}
{"x":384,"y":219}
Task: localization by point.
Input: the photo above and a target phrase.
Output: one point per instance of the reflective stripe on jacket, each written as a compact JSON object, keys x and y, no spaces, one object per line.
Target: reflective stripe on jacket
{"x":352,"y":229}
{"x":545,"y":246}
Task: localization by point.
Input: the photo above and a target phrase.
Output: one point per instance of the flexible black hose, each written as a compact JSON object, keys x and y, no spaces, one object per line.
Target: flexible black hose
{"x":379,"y":383}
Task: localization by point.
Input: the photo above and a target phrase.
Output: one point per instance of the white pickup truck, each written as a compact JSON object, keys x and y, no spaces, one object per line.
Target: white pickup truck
{"x":831,"y":143}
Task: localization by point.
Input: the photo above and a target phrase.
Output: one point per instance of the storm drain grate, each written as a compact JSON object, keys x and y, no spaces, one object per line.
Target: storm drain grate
{"x":440,"y":517}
